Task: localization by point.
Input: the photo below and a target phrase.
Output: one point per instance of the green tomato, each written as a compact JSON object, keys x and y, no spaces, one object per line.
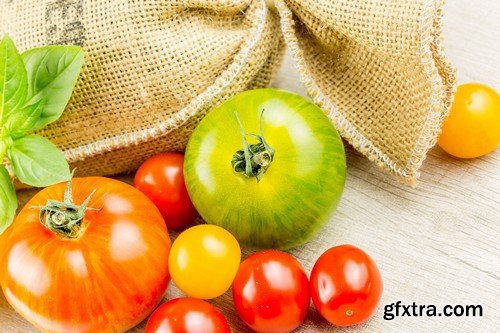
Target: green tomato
{"x":296,"y":168}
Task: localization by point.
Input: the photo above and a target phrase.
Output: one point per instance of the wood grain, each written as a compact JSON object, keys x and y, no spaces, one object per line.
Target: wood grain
{"x":436,"y":244}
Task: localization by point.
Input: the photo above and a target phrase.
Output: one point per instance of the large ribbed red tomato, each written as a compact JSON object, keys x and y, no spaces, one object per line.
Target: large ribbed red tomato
{"x":75,"y":265}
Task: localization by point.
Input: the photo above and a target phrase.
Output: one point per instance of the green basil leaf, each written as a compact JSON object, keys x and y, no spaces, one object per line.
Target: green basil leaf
{"x":23,"y":121}
{"x":8,"y":200}
{"x":52,"y":74}
{"x":37,"y":161}
{"x":13,"y":79}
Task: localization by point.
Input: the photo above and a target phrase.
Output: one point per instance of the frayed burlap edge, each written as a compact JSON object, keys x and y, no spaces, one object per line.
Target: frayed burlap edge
{"x":438,"y":69}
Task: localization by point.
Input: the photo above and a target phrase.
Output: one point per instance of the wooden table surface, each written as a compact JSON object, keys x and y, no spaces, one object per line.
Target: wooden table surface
{"x":435,"y":244}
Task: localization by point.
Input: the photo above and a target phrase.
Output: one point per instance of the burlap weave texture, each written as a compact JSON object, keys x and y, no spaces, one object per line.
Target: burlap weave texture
{"x":155,"y":68}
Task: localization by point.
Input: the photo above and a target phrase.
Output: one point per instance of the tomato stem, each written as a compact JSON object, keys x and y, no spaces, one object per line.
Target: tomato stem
{"x":65,"y":218}
{"x":253,"y":160}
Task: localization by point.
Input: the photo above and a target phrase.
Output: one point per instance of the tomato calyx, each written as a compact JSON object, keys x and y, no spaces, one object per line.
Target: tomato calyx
{"x":65,"y":218}
{"x":254,"y":159}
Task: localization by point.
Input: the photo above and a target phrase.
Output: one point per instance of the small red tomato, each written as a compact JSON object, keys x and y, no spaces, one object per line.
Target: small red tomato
{"x":161,"y":179}
{"x":271,"y":292}
{"x":346,"y":285}
{"x":187,"y":315}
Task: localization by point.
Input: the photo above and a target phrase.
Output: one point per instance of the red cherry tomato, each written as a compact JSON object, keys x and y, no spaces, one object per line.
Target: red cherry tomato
{"x":346,"y":285}
{"x":187,"y":315}
{"x":271,"y":292}
{"x":161,"y":179}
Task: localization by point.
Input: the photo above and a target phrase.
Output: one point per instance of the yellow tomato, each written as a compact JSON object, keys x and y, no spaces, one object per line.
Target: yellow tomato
{"x":473,"y":126}
{"x":204,"y":260}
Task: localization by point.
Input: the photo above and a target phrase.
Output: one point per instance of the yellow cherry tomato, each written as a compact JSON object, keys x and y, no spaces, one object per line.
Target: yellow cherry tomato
{"x":204,"y":260}
{"x":473,"y":127}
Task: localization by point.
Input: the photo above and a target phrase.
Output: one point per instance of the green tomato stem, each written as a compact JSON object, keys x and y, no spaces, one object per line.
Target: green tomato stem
{"x":253,"y":160}
{"x":66,"y":218}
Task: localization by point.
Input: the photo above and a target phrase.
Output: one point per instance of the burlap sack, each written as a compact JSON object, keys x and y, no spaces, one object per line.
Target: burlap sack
{"x":154,"y":68}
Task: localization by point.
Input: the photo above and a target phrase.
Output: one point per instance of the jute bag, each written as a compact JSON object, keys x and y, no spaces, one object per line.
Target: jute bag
{"x":154,"y":68}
